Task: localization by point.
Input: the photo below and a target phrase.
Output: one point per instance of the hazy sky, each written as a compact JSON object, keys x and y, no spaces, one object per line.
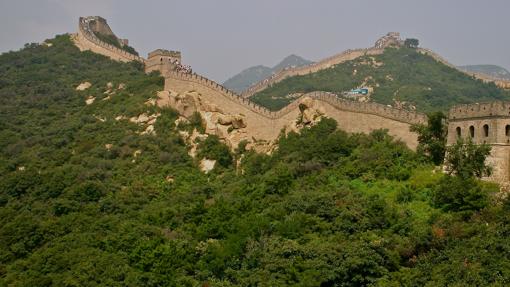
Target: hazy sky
{"x":219,"y":38}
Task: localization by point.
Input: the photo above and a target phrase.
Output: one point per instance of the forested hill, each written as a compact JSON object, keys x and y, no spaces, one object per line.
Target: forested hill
{"x":397,"y":76}
{"x":90,"y":198}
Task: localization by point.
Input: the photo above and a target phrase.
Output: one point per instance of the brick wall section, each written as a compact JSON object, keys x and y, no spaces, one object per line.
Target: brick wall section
{"x":86,"y":40}
{"x":312,"y":68}
{"x":485,"y":123}
{"x":348,"y":56}
{"x":504,"y":84}
{"x":263,"y":124}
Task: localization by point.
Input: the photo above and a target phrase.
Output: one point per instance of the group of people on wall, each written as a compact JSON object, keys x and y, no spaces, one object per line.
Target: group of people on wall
{"x":180,"y":67}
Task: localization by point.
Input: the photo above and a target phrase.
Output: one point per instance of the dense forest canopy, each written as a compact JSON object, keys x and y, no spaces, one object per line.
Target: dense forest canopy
{"x":403,"y":75}
{"x":89,"y":200}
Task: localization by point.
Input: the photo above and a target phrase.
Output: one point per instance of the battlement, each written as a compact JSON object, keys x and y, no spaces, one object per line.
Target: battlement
{"x":400,"y":115}
{"x":164,"y":53}
{"x":86,"y":39}
{"x":326,"y":63}
{"x":389,"y":40}
{"x":482,"y":110}
{"x":485,"y":123}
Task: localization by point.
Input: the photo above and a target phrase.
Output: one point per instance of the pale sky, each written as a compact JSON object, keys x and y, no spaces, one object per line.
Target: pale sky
{"x":219,"y":38}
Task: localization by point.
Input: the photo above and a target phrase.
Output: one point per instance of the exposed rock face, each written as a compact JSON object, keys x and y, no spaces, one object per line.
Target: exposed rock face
{"x":227,"y":127}
{"x":83,"y":86}
{"x":206,"y":165}
{"x":90,"y":100}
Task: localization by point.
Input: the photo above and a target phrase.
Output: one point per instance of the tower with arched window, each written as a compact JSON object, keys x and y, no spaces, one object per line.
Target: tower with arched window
{"x":485,"y":123}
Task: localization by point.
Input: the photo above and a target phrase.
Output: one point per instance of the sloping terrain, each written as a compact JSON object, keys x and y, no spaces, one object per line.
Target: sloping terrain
{"x":398,"y":77}
{"x":97,"y":189}
{"x":252,"y":75}
{"x":490,"y":70}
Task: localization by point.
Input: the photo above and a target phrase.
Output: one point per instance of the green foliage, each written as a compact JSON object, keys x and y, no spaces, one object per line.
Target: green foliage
{"x":411,"y":43}
{"x":432,"y":137}
{"x":405,"y":75}
{"x":466,"y":159}
{"x":112,"y":40}
{"x":90,"y":202}
{"x":212,"y":148}
{"x":454,"y":193}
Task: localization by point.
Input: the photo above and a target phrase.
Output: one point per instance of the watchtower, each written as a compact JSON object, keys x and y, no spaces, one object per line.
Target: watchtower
{"x":485,"y":123}
{"x":162,"y":60}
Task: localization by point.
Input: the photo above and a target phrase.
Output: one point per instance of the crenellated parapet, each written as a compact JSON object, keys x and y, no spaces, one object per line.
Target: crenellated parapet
{"x":388,"y":112}
{"x":479,"y":111}
{"x":326,"y":63}
{"x":87,"y":40}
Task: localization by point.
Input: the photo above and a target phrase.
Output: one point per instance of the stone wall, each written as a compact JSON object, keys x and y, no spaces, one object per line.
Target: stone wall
{"x":485,"y":123}
{"x":350,"y":55}
{"x":266,"y":125}
{"x":162,"y":60}
{"x":311,"y":68}
{"x":85,"y":39}
{"x":504,"y":84}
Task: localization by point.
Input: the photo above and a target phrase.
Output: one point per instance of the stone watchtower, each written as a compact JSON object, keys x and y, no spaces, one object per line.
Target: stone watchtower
{"x":485,"y":123}
{"x":162,"y":60}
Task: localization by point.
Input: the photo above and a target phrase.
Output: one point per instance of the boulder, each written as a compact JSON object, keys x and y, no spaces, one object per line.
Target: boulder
{"x":206,"y":165}
{"x":90,"y":100}
{"x":83,"y":86}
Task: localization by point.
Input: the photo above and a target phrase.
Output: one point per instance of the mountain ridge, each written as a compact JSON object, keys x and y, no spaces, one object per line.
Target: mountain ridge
{"x":249,"y":76}
{"x":487,"y":69}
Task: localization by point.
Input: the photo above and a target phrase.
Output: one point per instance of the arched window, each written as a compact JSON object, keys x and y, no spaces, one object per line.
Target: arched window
{"x":507,"y":130}
{"x":486,"y":130}
{"x":472,"y":131}
{"x":459,"y":132}
{"x":161,"y":59}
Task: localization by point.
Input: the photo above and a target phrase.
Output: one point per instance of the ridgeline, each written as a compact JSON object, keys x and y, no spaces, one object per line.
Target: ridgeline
{"x":397,"y":76}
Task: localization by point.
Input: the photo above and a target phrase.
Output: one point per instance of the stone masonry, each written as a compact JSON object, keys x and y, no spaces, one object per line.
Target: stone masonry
{"x":485,"y":123}
{"x":235,"y":118}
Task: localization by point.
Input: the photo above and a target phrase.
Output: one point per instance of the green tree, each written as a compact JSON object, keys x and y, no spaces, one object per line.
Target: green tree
{"x":466,"y":159}
{"x":432,"y":137}
{"x":411,"y":43}
{"x":458,"y":194}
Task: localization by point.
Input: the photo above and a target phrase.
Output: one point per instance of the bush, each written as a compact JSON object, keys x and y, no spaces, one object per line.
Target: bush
{"x":212,"y":148}
{"x":460,"y":195}
{"x":89,"y":191}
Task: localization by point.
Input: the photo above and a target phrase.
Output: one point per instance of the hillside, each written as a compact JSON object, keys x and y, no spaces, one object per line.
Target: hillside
{"x":90,"y":196}
{"x":491,"y":70}
{"x":252,"y":75}
{"x":398,"y":76}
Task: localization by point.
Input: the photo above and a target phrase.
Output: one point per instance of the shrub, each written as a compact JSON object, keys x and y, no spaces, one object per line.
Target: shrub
{"x":460,"y":194}
{"x":212,"y":148}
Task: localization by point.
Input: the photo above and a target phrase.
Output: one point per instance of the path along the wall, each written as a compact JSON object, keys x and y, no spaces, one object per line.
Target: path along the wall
{"x":311,"y":68}
{"x":350,"y":55}
{"x":85,"y":39}
{"x":263,"y":124}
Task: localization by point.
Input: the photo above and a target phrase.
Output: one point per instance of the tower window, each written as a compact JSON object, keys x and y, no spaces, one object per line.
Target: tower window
{"x":472,"y":131}
{"x":507,"y":130}
{"x":486,"y":130}
{"x":459,"y":132}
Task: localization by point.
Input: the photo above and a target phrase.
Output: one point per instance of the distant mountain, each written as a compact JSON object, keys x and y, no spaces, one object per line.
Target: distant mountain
{"x":291,"y":61}
{"x":252,"y":75}
{"x":491,"y":70}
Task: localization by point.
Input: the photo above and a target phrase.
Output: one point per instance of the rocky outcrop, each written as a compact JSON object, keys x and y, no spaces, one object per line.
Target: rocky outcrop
{"x":83,"y":86}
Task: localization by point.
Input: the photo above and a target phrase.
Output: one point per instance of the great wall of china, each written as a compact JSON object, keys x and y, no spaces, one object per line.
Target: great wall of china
{"x":235,"y":118}
{"x":85,"y":39}
{"x":352,"y":54}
